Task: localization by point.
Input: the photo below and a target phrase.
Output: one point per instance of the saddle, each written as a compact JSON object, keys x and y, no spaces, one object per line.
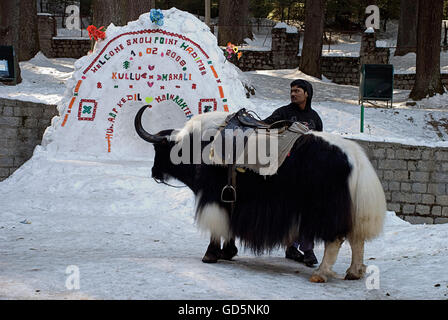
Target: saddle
{"x":243,"y":131}
{"x":243,"y":119}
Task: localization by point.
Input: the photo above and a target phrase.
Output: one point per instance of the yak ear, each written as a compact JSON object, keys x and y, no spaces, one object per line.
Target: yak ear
{"x":145,"y":135}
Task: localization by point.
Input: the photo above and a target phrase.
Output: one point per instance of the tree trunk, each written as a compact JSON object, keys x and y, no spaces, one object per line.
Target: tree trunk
{"x":207,"y":13}
{"x":407,"y":28}
{"x":28,"y":35}
{"x":119,"y":12}
{"x":9,"y":35}
{"x":169,"y":4}
{"x":233,"y":26}
{"x":244,"y":18}
{"x":106,"y":12}
{"x":137,"y":7}
{"x":310,"y":61}
{"x":18,"y":28}
{"x":427,"y":77}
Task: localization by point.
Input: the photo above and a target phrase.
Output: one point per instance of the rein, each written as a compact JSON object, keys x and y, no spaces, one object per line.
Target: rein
{"x":159,"y":181}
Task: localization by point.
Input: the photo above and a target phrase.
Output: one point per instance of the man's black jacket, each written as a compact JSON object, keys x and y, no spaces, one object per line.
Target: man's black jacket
{"x":293,"y":112}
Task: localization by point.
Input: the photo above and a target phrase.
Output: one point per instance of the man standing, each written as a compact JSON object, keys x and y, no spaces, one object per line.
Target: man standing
{"x":300,"y":110}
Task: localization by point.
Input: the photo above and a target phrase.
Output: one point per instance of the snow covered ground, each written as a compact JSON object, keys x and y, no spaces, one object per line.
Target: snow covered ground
{"x":134,"y":239}
{"x":43,"y":80}
{"x":131,"y":238}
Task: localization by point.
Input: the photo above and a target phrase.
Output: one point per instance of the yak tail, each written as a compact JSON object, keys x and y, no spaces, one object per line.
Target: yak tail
{"x":368,"y":200}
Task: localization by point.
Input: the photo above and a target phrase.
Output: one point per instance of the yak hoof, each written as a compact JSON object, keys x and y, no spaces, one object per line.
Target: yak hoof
{"x":211,"y":257}
{"x":318,"y":279}
{"x":351,"y":276}
{"x":228,"y":252}
{"x":355,"y":272}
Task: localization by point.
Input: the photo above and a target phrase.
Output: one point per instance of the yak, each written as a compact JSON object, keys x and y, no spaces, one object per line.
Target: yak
{"x":326,"y":188}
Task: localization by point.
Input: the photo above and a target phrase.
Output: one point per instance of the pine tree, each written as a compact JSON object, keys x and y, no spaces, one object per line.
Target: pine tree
{"x":310,"y":61}
{"x":427,"y":77}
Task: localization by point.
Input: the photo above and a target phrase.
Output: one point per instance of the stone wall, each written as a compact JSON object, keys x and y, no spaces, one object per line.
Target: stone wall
{"x":254,"y":60}
{"x":370,"y":53}
{"x":414,"y":178}
{"x":53,"y":47}
{"x":70,"y":48}
{"x":284,"y":55}
{"x":341,"y":70}
{"x":284,"y":48}
{"x":22,"y":125}
{"x":406,"y":81}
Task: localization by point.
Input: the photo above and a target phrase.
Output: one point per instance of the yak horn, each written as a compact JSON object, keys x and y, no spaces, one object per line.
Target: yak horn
{"x":152,"y":138}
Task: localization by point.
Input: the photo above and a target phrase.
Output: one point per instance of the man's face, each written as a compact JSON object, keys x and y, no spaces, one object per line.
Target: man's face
{"x":298,"y":96}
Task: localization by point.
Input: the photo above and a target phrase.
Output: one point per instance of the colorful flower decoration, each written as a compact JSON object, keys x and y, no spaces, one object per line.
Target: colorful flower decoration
{"x":95,"y":33}
{"x":156,"y":16}
{"x":232,"y":50}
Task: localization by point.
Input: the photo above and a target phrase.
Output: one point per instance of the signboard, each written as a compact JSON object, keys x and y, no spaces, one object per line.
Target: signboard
{"x":7,"y":63}
{"x":376,"y":83}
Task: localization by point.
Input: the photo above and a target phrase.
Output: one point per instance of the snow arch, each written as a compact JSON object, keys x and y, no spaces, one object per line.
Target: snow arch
{"x":177,"y":69}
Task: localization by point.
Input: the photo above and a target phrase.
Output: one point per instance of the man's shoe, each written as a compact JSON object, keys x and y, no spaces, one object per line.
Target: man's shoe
{"x":293,"y":254}
{"x":309,"y":258}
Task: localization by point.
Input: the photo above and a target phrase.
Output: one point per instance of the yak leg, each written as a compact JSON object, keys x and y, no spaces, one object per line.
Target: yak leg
{"x":229,"y":250}
{"x":357,"y":268}
{"x":330,"y":254}
{"x":213,"y":252}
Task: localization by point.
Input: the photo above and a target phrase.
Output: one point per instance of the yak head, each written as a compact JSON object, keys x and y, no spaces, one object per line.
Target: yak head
{"x":164,"y":142}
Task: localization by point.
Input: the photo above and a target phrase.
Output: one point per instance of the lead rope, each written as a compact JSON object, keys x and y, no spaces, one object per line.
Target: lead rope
{"x":163,"y":182}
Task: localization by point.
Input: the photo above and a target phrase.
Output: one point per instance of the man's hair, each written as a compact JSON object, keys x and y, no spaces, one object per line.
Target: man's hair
{"x":300,"y":83}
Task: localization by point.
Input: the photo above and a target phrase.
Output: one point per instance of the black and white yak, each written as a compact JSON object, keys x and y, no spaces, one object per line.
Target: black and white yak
{"x":326,"y":188}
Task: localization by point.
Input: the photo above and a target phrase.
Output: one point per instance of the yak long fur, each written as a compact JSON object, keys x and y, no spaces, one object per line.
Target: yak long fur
{"x":326,"y":189}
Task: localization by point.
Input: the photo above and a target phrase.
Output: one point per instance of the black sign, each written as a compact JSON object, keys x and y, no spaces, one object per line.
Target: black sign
{"x":377,"y":82}
{"x":7,"y":63}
